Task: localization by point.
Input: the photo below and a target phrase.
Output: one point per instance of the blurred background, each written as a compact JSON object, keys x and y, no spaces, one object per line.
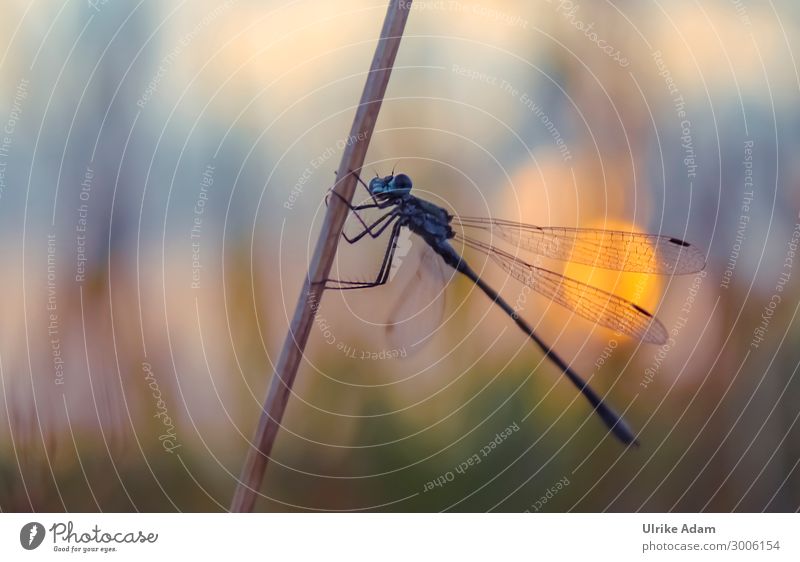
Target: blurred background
{"x":163,"y":167}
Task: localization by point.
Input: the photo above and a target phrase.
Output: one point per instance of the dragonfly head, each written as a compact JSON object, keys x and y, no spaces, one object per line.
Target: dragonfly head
{"x":390,"y":186}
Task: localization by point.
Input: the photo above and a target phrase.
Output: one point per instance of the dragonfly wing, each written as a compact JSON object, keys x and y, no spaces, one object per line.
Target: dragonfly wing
{"x":594,"y":304}
{"x":607,"y":249}
{"x":418,"y":311}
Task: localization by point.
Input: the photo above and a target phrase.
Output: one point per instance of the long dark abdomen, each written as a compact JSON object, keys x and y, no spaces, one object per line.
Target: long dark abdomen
{"x":614,"y":422}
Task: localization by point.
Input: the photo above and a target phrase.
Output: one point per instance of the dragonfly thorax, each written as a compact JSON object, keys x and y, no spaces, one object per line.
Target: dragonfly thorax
{"x":391,"y":186}
{"x":426,"y":219}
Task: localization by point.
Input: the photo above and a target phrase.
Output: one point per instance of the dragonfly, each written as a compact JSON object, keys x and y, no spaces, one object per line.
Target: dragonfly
{"x":390,"y":197}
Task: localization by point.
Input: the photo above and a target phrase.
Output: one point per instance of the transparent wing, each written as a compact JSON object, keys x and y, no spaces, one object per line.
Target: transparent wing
{"x":607,"y":249}
{"x":419,"y":310}
{"x":590,"y":302}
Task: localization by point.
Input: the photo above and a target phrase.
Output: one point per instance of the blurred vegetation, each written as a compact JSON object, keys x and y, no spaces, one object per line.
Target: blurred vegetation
{"x":150,"y":98}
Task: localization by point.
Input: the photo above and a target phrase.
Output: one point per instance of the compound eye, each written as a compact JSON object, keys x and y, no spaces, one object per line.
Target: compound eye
{"x":402,"y":182}
{"x":377,"y":185}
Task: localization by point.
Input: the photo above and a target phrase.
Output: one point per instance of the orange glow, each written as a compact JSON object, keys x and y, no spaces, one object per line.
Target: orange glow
{"x":640,"y":288}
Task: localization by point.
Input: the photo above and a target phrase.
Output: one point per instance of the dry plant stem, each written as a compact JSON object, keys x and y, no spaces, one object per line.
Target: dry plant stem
{"x":352,"y":160}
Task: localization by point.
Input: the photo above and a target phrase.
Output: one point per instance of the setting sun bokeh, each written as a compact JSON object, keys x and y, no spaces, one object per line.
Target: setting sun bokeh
{"x":642,"y":289}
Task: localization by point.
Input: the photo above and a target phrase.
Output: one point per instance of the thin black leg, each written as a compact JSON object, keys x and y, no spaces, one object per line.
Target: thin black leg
{"x":355,"y":208}
{"x":370,"y":229}
{"x":383,"y":273}
{"x":375,"y":201}
{"x":372,"y":195}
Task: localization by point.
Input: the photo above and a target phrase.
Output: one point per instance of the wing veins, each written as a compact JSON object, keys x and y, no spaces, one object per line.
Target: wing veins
{"x":594,"y":304}
{"x":608,"y":249}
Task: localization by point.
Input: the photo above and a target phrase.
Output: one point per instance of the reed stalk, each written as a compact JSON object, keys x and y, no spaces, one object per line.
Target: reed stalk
{"x":255,"y":465}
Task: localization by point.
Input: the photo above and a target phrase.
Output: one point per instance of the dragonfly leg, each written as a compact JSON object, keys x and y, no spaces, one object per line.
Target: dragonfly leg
{"x":376,"y":205}
{"x":383,"y":274}
{"x":375,"y":202}
{"x":362,"y":182}
{"x":369,"y":229}
{"x":355,"y":208}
